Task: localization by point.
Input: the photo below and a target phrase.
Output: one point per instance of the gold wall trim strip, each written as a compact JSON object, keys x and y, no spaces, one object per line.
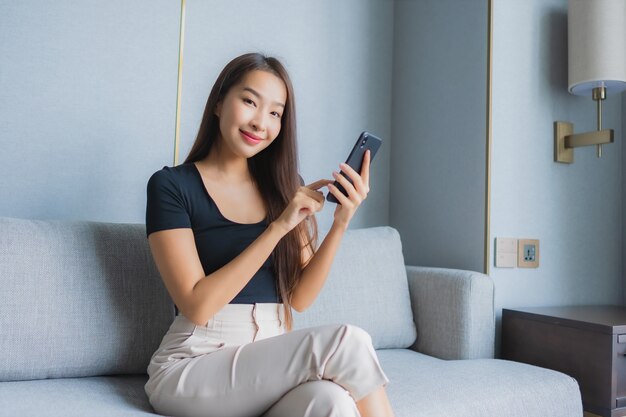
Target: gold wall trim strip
{"x":179,"y":88}
{"x":489,"y":137}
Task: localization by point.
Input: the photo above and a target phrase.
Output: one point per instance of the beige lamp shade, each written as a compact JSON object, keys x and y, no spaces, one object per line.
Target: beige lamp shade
{"x":596,"y":46}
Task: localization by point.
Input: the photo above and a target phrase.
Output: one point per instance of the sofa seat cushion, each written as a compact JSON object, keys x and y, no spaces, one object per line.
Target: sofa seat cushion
{"x":424,"y":386}
{"x":110,"y":396}
{"x":420,"y":386}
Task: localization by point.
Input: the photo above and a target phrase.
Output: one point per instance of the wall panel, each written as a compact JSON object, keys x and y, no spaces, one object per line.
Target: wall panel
{"x":574,"y":210}
{"x":87,"y":106}
{"x":439,"y":129}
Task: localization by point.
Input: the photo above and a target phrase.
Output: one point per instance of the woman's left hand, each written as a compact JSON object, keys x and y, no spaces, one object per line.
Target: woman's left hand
{"x":357,"y":192}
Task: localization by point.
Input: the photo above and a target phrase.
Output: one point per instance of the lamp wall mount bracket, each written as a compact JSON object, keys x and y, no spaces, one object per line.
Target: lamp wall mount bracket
{"x":565,"y":140}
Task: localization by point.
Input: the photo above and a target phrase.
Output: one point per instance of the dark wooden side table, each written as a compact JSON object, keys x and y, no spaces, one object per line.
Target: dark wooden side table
{"x":586,"y":342}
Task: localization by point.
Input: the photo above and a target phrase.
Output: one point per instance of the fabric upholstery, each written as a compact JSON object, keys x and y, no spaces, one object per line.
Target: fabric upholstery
{"x":78,"y":299}
{"x":82,"y":301}
{"x":422,"y":386}
{"x":454,"y":312}
{"x":104,"y":396}
{"x":367,"y":278}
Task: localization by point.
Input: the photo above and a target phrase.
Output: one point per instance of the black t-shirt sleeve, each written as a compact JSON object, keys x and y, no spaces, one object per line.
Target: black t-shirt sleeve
{"x":165,"y":207}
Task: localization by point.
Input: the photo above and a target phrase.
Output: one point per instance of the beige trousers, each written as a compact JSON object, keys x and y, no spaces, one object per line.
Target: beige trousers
{"x":243,"y":363}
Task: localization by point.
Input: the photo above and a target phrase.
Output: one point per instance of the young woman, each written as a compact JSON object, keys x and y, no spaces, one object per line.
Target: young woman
{"x":232,"y":231}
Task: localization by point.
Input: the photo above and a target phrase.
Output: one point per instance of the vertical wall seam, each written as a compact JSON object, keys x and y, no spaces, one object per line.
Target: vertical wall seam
{"x":489,"y":136}
{"x":391,"y":108}
{"x":181,"y":44}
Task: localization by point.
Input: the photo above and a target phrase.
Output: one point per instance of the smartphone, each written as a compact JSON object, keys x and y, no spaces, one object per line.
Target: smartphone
{"x":365,"y":141}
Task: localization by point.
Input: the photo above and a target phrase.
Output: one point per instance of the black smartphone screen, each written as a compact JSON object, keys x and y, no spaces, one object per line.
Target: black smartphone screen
{"x":365,"y":141}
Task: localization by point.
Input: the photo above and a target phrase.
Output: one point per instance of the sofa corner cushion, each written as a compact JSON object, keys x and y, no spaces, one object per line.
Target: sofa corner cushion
{"x":87,"y":292}
{"x":476,"y":387}
{"x":367,"y":287}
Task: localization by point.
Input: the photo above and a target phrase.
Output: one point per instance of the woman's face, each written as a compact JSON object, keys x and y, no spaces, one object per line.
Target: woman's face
{"x":250,"y":113}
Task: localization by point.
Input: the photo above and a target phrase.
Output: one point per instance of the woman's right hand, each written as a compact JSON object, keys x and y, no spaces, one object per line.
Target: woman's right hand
{"x":307,"y":201}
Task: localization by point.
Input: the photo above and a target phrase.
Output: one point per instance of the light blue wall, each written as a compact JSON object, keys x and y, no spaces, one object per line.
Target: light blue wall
{"x":88,"y":94}
{"x":87,"y":106}
{"x":439,"y":132}
{"x":575,"y":210}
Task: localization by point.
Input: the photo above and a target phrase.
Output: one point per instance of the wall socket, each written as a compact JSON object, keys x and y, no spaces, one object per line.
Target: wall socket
{"x":511,"y":252}
{"x":528,"y":253}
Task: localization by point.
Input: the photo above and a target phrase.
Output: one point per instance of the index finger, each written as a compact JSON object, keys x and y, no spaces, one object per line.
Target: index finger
{"x":365,"y":168}
{"x":318,"y":184}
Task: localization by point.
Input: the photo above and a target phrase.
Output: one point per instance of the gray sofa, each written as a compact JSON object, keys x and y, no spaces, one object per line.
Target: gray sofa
{"x":82,"y":309}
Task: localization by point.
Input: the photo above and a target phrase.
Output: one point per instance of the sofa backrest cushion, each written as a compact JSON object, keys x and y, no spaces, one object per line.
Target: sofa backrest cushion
{"x":78,"y":299}
{"x":367,"y":286}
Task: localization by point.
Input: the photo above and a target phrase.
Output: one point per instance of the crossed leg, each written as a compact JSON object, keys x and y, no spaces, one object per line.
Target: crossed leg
{"x":249,"y":379}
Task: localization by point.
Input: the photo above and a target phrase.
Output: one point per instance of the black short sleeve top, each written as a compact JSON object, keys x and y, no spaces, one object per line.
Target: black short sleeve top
{"x":177,"y":198}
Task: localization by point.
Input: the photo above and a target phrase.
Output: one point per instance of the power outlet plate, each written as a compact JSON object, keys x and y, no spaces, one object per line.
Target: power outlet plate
{"x":528,"y":253}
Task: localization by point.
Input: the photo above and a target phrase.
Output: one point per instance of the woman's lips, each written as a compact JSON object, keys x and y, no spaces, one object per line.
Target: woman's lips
{"x":250,"y":137}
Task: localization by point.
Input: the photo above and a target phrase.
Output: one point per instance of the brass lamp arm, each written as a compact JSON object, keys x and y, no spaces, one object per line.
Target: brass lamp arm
{"x":597,"y":137}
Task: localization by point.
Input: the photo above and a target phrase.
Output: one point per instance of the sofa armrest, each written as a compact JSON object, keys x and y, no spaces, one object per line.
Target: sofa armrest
{"x":453,"y":311}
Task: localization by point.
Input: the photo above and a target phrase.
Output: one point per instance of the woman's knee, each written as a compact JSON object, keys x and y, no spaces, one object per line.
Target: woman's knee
{"x":360,"y":333}
{"x":329,"y":400}
{"x":355,"y":334}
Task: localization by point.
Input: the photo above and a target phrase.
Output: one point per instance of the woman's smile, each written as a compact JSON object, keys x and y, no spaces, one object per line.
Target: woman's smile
{"x":250,"y":138}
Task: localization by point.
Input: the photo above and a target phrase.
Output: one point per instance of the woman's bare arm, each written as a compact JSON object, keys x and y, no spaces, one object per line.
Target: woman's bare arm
{"x":318,"y":266}
{"x":197,"y":296}
{"x":316,"y":270}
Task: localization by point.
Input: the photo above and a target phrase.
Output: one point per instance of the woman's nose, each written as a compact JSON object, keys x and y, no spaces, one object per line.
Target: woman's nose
{"x":258,"y":122}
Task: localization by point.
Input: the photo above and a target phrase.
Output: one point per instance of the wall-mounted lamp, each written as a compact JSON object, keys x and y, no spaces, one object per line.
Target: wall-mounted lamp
{"x":596,"y":67}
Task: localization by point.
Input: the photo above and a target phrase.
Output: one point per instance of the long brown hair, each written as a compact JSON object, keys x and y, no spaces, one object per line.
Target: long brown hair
{"x":274,"y":170}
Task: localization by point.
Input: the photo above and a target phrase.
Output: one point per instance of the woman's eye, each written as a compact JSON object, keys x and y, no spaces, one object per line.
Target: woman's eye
{"x":248,"y":101}
{"x":276,"y":114}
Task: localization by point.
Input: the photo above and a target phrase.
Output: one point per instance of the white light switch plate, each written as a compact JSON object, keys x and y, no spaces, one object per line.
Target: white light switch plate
{"x":506,"y":252}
